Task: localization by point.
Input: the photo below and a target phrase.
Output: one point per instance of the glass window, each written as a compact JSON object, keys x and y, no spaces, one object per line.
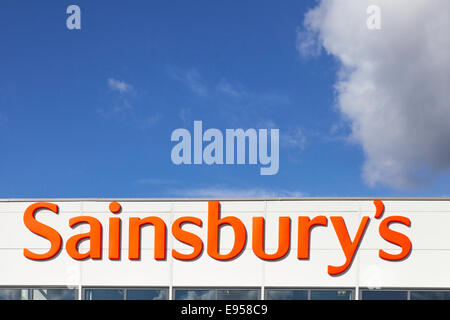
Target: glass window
{"x":286,"y":294}
{"x":331,"y":294}
{"x":125,"y":293}
{"x":147,"y":294}
{"x":14,"y":294}
{"x":238,"y":294}
{"x":186,"y":294}
{"x":430,"y":295}
{"x":384,"y":295}
{"x":104,"y":294}
{"x":55,"y":294}
{"x":38,"y":294}
{"x":216,"y":294}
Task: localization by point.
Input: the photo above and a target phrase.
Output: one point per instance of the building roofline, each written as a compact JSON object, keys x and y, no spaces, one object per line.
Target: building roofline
{"x":225,"y":199}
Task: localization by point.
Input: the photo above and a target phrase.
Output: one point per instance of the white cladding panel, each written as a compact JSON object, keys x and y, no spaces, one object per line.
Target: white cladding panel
{"x":427,"y":266}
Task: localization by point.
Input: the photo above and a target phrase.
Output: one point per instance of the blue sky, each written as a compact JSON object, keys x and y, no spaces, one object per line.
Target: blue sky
{"x":89,"y":113}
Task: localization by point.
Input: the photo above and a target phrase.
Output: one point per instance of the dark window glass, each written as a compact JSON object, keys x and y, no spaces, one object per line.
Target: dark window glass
{"x":384,"y":295}
{"x":147,"y":294}
{"x":14,"y":294}
{"x":186,"y":294}
{"x":217,"y":294}
{"x":238,"y":294}
{"x":286,"y":294}
{"x":331,"y":294}
{"x":430,"y":295}
{"x":104,"y":294}
{"x":55,"y":294}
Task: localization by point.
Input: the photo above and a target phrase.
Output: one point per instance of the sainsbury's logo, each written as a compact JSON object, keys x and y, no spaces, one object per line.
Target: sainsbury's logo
{"x":304,"y":224}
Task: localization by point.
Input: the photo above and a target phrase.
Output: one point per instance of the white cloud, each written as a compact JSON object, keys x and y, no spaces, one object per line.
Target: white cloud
{"x":293,"y":138}
{"x":393,"y":84}
{"x":226,"y":91}
{"x":290,"y":138}
{"x":307,"y":44}
{"x":123,"y":96}
{"x":118,"y":85}
{"x":192,"y":79}
{"x":231,"y":90}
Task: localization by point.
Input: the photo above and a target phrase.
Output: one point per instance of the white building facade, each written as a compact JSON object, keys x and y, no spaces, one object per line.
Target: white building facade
{"x":307,"y":248}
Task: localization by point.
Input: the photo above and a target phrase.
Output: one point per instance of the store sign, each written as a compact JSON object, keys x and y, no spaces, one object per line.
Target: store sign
{"x":304,"y":224}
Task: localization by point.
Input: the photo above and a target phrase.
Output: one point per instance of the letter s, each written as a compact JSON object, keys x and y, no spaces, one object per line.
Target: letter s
{"x":42,"y":230}
{"x":395,"y":237}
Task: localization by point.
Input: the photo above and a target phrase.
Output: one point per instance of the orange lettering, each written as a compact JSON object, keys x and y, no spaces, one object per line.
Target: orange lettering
{"x":134,"y":250}
{"x":114,"y":232}
{"x":114,"y":238}
{"x":379,"y":206}
{"x":348,"y":246}
{"x":115,"y":207}
{"x":214,"y":223}
{"x":284,"y":236}
{"x":304,"y":231}
{"x":394,"y":237}
{"x":94,"y":236}
{"x":187,"y":237}
{"x":42,"y":230}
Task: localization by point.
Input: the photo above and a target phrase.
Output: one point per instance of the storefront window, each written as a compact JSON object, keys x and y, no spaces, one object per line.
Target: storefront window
{"x":104,"y":294}
{"x":331,"y":294}
{"x":216,"y":294}
{"x":144,"y":294}
{"x":237,"y":294}
{"x":286,"y":294}
{"x":38,"y":294}
{"x":308,"y":294}
{"x":54,"y":294}
{"x":14,"y":294}
{"x":125,"y":294}
{"x":384,"y":295}
{"x":186,"y":294}
{"x":430,"y":295}
{"x":405,"y":294}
